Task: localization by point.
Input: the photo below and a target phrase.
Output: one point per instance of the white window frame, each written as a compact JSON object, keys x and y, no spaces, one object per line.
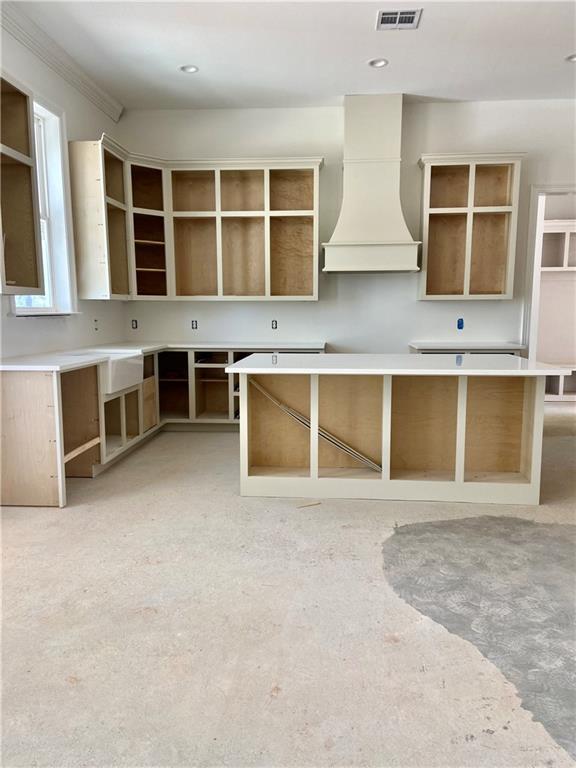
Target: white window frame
{"x":55,"y":214}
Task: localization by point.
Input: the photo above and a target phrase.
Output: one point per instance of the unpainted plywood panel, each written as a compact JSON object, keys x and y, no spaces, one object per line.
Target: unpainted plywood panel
{"x":490,"y":232}
{"x":114,"y":176}
{"x":292,"y":189}
{"x":14,"y":118}
{"x":195,"y":257}
{"x":449,"y":186}
{"x":446,"y":254}
{"x":242,"y":190}
{"x":18,"y":226}
{"x":80,"y":412}
{"x":243,"y":256}
{"x":291,"y":255}
{"x":493,"y":184}
{"x":193,"y":191}
{"x":147,"y":188}
{"x":118,"y":251}
{"x":149,"y":417}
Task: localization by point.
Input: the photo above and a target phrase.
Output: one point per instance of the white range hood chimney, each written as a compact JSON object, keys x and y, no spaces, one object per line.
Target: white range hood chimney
{"x":371,"y":234}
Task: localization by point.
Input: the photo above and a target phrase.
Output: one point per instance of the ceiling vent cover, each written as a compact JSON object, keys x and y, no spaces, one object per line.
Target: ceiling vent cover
{"x":398,"y":19}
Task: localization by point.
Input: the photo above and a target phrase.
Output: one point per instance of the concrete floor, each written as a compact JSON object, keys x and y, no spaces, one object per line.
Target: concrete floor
{"x":162,"y":620}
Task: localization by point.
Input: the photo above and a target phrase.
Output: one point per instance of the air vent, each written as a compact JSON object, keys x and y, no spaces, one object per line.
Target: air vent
{"x":398,"y":19}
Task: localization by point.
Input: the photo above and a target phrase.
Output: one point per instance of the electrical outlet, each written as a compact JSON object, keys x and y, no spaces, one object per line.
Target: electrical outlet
{"x":194,"y":325}
{"x":460,"y":323}
{"x":134,"y":324}
{"x":274,"y":325}
{"x":95,"y":323}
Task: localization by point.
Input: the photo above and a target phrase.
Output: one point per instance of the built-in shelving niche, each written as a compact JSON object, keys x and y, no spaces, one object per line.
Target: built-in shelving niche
{"x":114,"y":177}
{"x":243,"y":265}
{"x":242,"y":190}
{"x":147,"y":188}
{"x":173,"y":381}
{"x":150,"y":255}
{"x":195,"y":256}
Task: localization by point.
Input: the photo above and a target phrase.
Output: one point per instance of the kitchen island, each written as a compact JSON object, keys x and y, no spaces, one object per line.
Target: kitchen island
{"x":440,"y":428}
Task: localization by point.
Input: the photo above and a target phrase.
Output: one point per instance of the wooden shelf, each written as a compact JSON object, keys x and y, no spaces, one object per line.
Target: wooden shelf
{"x":243,"y":256}
{"x":18,"y":223}
{"x":446,"y":254}
{"x":151,"y":283}
{"x":148,"y":228}
{"x":449,"y":186}
{"x":211,"y":398}
{"x":195,"y":257}
{"x":423,"y":433}
{"x":150,"y":255}
{"x":117,"y":250}
{"x":14,"y":118}
{"x":114,"y":177}
{"x":193,"y":191}
{"x":490,"y":237}
{"x":291,"y":256}
{"x":493,"y":184}
{"x":80,"y":420}
{"x":242,"y":190}
{"x":292,"y":189}
{"x":147,"y":187}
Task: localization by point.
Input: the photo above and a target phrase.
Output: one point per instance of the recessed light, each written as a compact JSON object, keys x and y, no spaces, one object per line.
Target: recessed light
{"x":571,"y":58}
{"x":378,"y":63}
{"x":189,"y":68}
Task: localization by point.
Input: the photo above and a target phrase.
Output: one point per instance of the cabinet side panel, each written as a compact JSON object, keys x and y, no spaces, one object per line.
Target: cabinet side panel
{"x":29,"y":462}
{"x":80,"y":411}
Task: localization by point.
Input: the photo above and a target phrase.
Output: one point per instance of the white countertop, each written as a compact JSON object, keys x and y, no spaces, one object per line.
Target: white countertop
{"x":408,"y":365}
{"x":70,"y":359}
{"x":511,"y":346}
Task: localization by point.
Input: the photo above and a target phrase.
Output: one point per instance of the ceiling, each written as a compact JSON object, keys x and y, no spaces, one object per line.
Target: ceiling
{"x":309,"y":54}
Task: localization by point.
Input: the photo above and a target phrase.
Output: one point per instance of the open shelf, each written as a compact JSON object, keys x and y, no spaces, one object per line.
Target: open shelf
{"x":132,"y":411}
{"x":449,"y":186}
{"x":498,"y":429}
{"x":446,"y":254}
{"x":291,"y":255}
{"x":242,"y":190}
{"x":279,"y":445}
{"x":423,"y":433}
{"x":212,"y":401}
{"x":217,"y":357}
{"x":114,"y":177}
{"x":243,"y":256}
{"x":113,"y":424}
{"x":173,"y":385}
{"x":14,"y":132}
{"x":195,"y":257}
{"x":493,"y":185}
{"x":291,"y":190}
{"x":18,"y":225}
{"x":151,"y":282}
{"x":147,"y":188}
{"x":117,"y":250}
{"x":553,"y":249}
{"x":570,"y":384}
{"x":490,"y":232}
{"x":148,"y":228}
{"x":193,"y":191}
{"x":350,"y":408}
{"x":150,"y":255}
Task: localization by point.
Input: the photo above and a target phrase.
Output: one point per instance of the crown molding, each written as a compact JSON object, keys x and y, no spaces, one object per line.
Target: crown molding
{"x":32,"y":37}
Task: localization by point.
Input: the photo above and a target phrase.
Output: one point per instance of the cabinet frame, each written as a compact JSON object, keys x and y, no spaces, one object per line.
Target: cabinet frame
{"x":470,"y":210}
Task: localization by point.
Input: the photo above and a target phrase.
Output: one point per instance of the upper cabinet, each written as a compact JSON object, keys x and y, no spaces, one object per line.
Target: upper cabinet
{"x":198,"y":230}
{"x":470,"y":210}
{"x":21,"y":247}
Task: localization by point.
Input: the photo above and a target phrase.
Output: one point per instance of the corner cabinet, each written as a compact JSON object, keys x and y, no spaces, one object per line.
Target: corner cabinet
{"x":470,"y":210}
{"x":21,"y":263}
{"x":235,"y":230}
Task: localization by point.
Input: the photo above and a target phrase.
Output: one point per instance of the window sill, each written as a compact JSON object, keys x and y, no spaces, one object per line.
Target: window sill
{"x":39,"y":313}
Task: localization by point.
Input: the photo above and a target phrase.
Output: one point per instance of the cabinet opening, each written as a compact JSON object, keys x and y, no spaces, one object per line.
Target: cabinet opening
{"x":173,"y":384}
{"x":173,"y":366}
{"x":148,"y":229}
{"x":570,"y":384}
{"x":147,"y":188}
{"x":212,"y":401}
{"x":243,"y":256}
{"x":446,"y":255}
{"x":277,"y":444}
{"x":423,"y":434}
{"x":149,"y":367}
{"x":117,"y":251}
{"x":151,"y":283}
{"x":193,"y":191}
{"x":242,"y":190}
{"x":195,"y":257}
{"x":206,"y":357}
{"x":14,"y":118}
{"x":553,"y":249}
{"x":113,"y":424}
{"x":552,"y":385}
{"x":572,"y":249}
{"x":291,"y":255}
{"x":18,"y":223}
{"x":449,"y":186}
{"x":80,"y":413}
{"x":490,"y":232}
{"x":241,"y":356}
{"x":291,"y":190}
{"x":499,"y":416}
{"x":493,"y":185}
{"x":350,"y":409}
{"x":150,"y":256}
{"x":132,"y":410}
{"x":114,"y":177}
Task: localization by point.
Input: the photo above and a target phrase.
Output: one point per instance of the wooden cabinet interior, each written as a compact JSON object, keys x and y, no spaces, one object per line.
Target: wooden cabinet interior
{"x":150,"y":255}
{"x":423,"y":432}
{"x":278,"y":444}
{"x":243,"y":256}
{"x":80,"y":421}
{"x":350,"y":408}
{"x":242,"y":190}
{"x":553,"y":249}
{"x":446,"y":254}
{"x":117,"y":250}
{"x":195,"y":256}
{"x":132,"y":414}
{"x":14,"y":118}
{"x":18,"y":223}
{"x":173,"y":385}
{"x":493,"y":185}
{"x":291,"y":255}
{"x":449,"y":186}
{"x":193,"y":191}
{"x":498,"y":429}
{"x":147,"y":188}
{"x":114,"y":177}
{"x":113,"y":425}
{"x":490,"y":233}
{"x":291,"y":189}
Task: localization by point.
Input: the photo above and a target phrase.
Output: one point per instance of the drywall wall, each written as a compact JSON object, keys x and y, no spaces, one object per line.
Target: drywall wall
{"x":23,"y":335}
{"x":356,"y":312}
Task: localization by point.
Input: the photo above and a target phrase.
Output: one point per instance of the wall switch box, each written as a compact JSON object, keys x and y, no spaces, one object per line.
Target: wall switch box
{"x":460,"y":323}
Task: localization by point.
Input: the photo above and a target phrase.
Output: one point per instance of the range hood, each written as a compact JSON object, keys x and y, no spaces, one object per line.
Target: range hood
{"x":371,"y":234}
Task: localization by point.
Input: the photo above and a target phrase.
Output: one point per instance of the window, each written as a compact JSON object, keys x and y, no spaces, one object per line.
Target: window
{"x":50,"y":144}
